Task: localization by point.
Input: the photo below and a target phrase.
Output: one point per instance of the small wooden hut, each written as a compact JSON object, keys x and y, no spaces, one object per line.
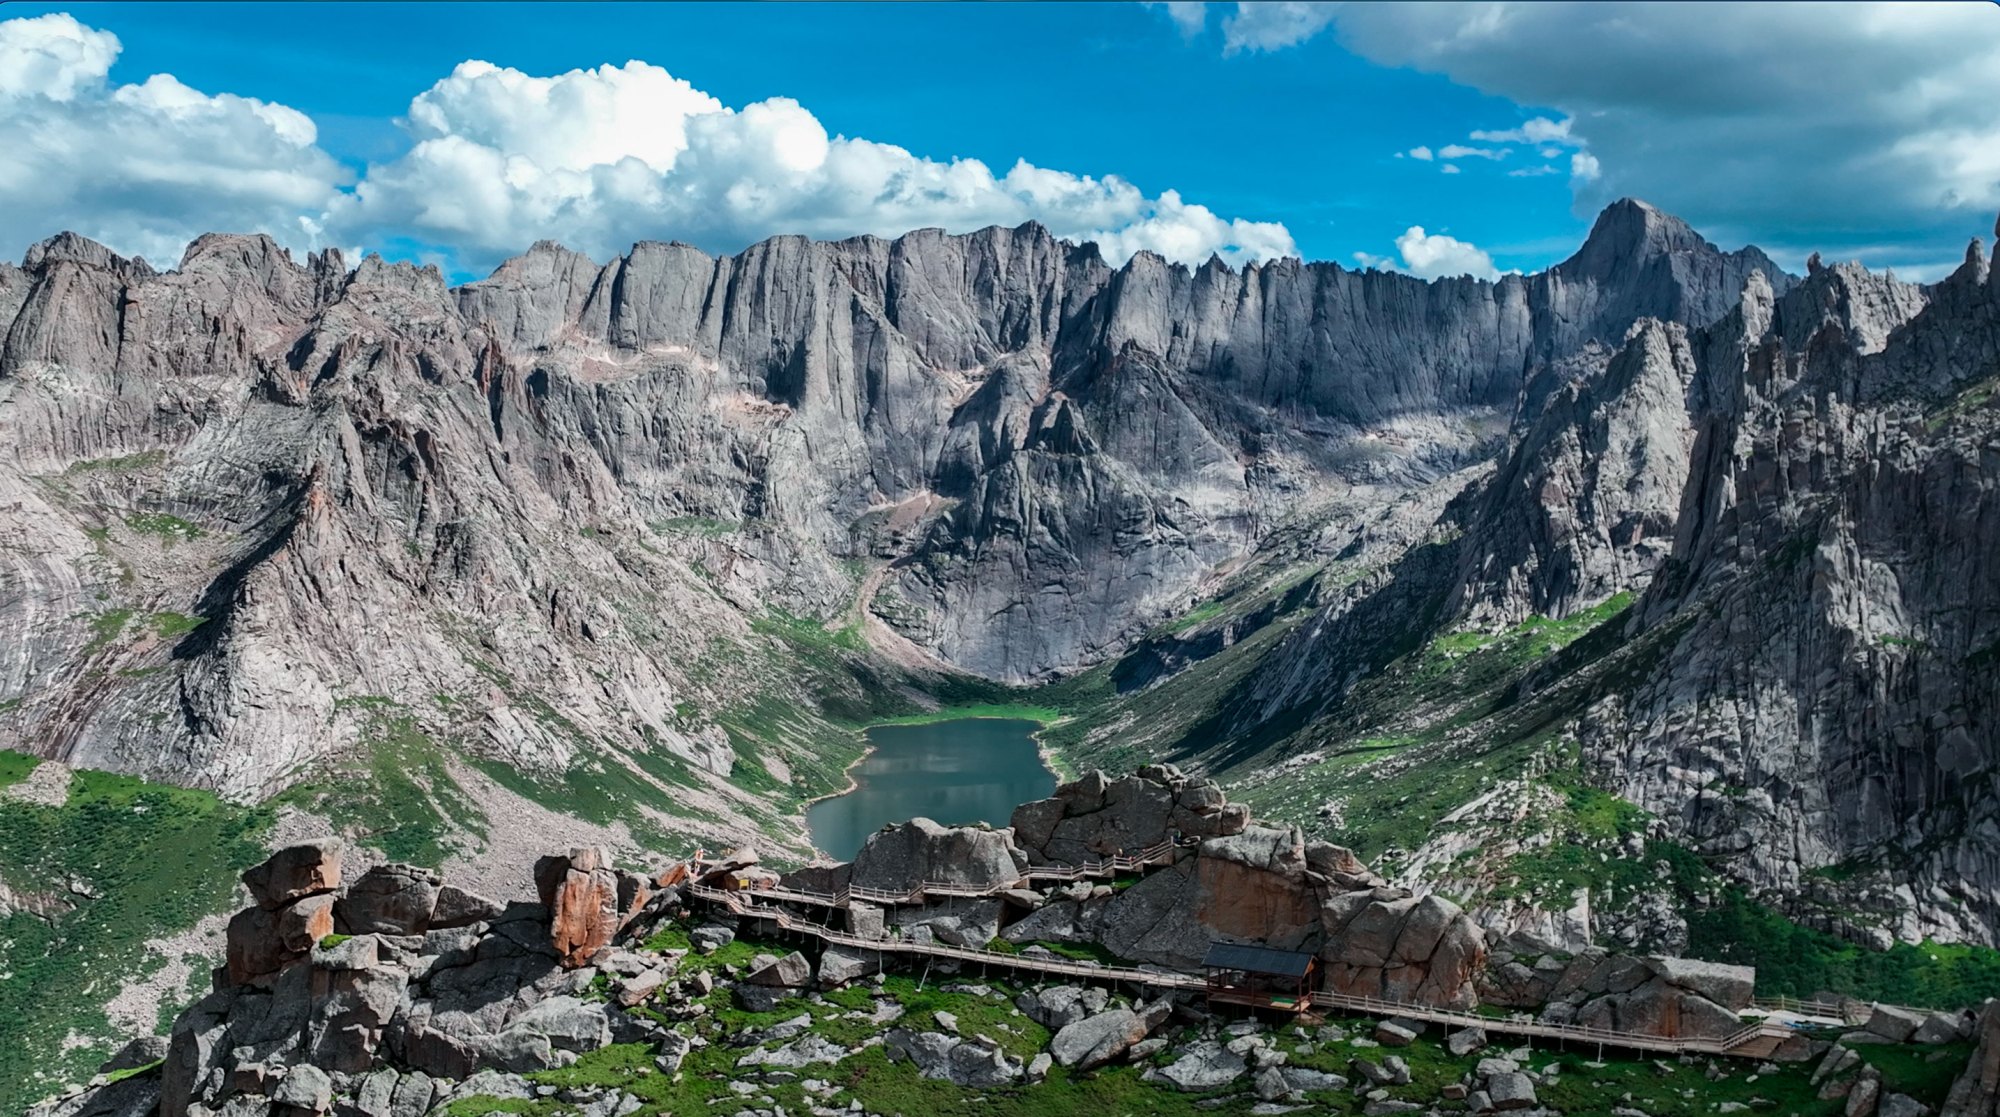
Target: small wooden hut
{"x":1260,"y":976}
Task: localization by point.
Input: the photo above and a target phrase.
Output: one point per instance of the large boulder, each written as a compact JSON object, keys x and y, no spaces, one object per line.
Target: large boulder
{"x":898,"y":859}
{"x":1976,"y":1091}
{"x":581,"y":892}
{"x":1157,"y":920}
{"x":1340,"y":867}
{"x":1387,"y":943}
{"x":354,"y":996}
{"x":1732,"y":987}
{"x":1897,"y":1025}
{"x":970,"y":1063}
{"x":259,"y":943}
{"x":1058,"y":1006}
{"x":1203,"y":1066}
{"x":839,"y":965}
{"x":1659,"y":1008}
{"x":957,"y":922}
{"x":792,"y":971}
{"x":1096,"y":1040}
{"x":456,"y":907}
{"x":389,"y":900}
{"x":1096,"y":817}
{"x":1252,"y":887}
{"x":306,"y":869}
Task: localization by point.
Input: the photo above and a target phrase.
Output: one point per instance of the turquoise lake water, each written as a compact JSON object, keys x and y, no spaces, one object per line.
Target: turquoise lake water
{"x":954,"y":772}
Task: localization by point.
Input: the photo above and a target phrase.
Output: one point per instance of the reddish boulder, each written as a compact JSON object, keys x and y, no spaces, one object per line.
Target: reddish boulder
{"x":306,"y":869}
{"x":1387,"y":943}
{"x":1251,"y":887}
{"x":302,"y":925}
{"x":581,"y":892}
{"x":259,"y":943}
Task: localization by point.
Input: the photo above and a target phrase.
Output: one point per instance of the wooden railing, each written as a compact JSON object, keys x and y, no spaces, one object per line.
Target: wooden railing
{"x":1753,"y":1040}
{"x":1568,"y":1033}
{"x":1845,"y":1013}
{"x":916,"y":894}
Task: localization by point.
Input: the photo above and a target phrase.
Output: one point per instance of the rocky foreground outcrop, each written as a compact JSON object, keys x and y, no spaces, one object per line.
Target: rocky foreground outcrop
{"x":398,"y":995}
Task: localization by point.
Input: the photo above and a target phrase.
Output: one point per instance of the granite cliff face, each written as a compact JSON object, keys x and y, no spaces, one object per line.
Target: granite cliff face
{"x":268,"y":510}
{"x":509,"y":508}
{"x":1780,"y":520}
{"x":1552,"y":594}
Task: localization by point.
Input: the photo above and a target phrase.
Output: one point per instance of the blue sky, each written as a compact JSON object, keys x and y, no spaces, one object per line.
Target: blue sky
{"x":1293,"y":127}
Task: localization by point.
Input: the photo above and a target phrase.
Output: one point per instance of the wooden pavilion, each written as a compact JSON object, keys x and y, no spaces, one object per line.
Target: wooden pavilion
{"x":1260,"y":976}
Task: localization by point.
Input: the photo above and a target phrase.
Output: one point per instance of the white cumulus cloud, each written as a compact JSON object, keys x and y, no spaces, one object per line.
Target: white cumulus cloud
{"x":1433,"y":255}
{"x":498,"y":158}
{"x":599,"y":158}
{"x":1274,"y":24}
{"x":1538,"y":130}
{"x":1460,"y":151}
{"x":1191,"y":16}
{"x":144,"y":166}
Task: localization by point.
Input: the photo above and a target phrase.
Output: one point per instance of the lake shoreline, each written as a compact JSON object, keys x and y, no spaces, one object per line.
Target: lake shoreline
{"x":1045,"y":759}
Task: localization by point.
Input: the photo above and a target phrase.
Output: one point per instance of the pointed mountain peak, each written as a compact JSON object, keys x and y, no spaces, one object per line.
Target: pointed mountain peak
{"x":1629,"y":231}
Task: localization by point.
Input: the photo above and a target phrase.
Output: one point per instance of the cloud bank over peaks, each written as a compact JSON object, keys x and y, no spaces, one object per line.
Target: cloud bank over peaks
{"x":498,"y":159}
{"x":142,"y":167}
{"x":1866,"y":127}
{"x":598,"y":158}
{"x":1433,"y":256}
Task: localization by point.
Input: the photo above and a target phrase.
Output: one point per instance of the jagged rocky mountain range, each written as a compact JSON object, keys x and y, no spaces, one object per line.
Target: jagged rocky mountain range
{"x":542,"y":514}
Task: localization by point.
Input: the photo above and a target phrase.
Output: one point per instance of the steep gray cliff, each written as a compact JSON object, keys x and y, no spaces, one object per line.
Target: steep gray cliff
{"x":1827,"y":699}
{"x":260,"y":502}
{"x":1799,"y":503}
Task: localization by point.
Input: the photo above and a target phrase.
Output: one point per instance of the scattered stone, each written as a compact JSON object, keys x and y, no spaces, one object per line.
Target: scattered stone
{"x":753,"y":997}
{"x":1375,"y":1073}
{"x":711,"y":937}
{"x":1269,"y":1084}
{"x":1204,"y":1066}
{"x":792,"y":971}
{"x":1897,"y":1025}
{"x":1465,"y":1041}
{"x":1390,"y":1034}
{"x":635,"y":989}
{"x":1510,"y":1091}
{"x":806,"y":1052}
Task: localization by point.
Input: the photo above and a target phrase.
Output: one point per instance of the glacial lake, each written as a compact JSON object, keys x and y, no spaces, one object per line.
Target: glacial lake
{"x":954,"y":772}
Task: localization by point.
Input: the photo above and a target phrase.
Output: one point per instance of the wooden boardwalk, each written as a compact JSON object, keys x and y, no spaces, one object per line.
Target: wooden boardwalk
{"x":1139,"y":862}
{"x":1756,"y":1040}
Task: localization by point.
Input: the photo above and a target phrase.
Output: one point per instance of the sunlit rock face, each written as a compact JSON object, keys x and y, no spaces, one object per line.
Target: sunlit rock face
{"x":364,"y":482}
